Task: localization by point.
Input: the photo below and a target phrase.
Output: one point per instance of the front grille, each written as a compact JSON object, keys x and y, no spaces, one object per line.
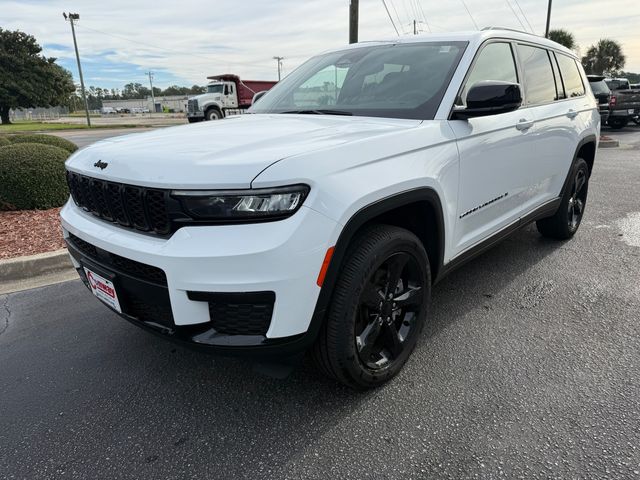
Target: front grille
{"x":137,"y":270}
{"x":141,"y":208}
{"x":246,"y":313}
{"x":192,"y":106}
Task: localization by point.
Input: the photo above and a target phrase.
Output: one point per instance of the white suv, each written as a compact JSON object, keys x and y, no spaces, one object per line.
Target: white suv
{"x":321,"y":221}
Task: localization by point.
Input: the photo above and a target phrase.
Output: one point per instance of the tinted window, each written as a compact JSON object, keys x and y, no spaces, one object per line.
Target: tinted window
{"x":570,"y":76}
{"x":540,"y":86}
{"x":390,"y":80}
{"x":599,"y":87}
{"x":495,"y":62}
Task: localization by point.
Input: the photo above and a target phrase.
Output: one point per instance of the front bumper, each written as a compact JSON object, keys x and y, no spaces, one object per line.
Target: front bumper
{"x":200,"y":264}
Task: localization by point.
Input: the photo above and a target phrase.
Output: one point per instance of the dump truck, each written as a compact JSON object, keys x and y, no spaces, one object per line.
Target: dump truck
{"x":226,"y":94}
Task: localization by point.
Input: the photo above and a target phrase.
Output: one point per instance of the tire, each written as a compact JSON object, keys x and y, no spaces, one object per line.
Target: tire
{"x":617,"y":122}
{"x":636,"y":120}
{"x":365,"y":338}
{"x":212,"y":114}
{"x":566,"y":221}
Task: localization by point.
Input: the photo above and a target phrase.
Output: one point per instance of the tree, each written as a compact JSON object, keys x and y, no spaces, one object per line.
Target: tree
{"x":604,"y":58}
{"x":563,"y":37}
{"x":27,"y":78}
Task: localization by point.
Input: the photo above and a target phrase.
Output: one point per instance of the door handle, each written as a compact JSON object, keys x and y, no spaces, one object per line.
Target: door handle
{"x":524,"y":124}
{"x":572,"y":113}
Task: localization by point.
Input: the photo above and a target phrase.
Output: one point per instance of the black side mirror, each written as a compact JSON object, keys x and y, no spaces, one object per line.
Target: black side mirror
{"x":490,"y":97}
{"x":258,"y":96}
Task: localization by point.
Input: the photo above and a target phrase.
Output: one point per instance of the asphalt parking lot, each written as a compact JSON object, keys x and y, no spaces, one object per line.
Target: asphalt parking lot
{"x":529,"y":368}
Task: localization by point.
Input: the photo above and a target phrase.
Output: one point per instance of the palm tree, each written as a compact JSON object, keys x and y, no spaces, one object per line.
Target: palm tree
{"x":604,"y":58}
{"x":563,"y":37}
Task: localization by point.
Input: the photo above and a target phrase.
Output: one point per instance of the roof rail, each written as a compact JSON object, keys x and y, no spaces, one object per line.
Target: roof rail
{"x":508,"y":29}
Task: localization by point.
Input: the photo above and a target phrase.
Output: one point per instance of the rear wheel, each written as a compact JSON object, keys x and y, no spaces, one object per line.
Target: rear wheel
{"x":564,"y":224}
{"x":617,"y":122}
{"x":378,"y":309}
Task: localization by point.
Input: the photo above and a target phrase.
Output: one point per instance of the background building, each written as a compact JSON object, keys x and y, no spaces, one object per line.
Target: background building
{"x":172,"y":103}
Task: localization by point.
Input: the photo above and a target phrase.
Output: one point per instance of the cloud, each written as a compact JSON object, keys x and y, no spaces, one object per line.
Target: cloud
{"x":185,"y":41}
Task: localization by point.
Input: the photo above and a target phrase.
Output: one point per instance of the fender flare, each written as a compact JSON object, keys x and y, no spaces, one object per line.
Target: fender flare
{"x":357,"y":221}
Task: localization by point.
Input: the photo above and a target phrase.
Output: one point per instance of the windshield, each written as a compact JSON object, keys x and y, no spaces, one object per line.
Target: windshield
{"x":618,"y":84}
{"x":392,"y":80}
{"x":599,"y":87}
{"x":216,"y":88}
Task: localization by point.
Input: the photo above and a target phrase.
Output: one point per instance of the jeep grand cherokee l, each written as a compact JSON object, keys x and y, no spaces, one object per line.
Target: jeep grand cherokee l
{"x":322,"y":220}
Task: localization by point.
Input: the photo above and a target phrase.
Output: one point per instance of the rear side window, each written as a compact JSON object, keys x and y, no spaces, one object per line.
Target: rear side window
{"x":495,"y":62}
{"x":540,"y":85}
{"x":570,"y":76}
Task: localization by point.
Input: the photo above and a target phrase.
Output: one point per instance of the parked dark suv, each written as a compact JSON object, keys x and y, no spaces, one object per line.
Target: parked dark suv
{"x":602,"y":93}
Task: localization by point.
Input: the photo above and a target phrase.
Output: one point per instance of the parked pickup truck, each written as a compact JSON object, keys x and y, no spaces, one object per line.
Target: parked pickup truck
{"x":224,"y":93}
{"x":625,"y":103}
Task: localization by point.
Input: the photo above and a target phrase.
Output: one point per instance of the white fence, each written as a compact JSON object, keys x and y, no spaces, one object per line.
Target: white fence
{"x":51,"y":113}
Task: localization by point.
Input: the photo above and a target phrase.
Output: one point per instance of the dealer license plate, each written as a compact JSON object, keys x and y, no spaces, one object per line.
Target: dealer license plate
{"x":104,"y":289}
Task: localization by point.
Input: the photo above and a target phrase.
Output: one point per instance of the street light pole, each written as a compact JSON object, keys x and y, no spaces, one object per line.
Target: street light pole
{"x":72,"y":17}
{"x":546,"y":33}
{"x":279,"y":60}
{"x":153,"y":98}
{"x":353,"y":21}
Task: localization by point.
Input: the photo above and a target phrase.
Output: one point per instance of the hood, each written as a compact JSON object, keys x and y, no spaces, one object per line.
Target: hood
{"x":227,"y":153}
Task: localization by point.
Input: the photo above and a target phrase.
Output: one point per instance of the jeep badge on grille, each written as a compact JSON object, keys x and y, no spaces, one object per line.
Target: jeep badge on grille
{"x":100,"y":164}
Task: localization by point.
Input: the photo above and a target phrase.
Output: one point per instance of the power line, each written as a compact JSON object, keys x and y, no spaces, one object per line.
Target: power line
{"x":393,"y":5}
{"x":423,"y":15}
{"x":525,"y":17}
{"x":469,"y":13}
{"x":390,"y":18}
{"x":516,"y":15}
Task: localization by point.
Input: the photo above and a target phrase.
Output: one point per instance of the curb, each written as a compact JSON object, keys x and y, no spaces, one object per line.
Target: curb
{"x":23,"y":268}
{"x":608,"y":144}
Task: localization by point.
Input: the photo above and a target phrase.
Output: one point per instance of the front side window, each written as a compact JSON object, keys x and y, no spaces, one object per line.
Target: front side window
{"x":217,"y":88}
{"x":540,"y":85}
{"x":402,"y":80}
{"x":570,"y":76}
{"x":495,"y":62}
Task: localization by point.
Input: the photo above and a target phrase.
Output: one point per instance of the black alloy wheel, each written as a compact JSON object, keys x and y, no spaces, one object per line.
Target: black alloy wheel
{"x":378,"y":308}
{"x":388,"y":310}
{"x":577,"y":200}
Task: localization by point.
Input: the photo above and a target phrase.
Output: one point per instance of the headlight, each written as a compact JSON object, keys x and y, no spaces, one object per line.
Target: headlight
{"x":239,"y":205}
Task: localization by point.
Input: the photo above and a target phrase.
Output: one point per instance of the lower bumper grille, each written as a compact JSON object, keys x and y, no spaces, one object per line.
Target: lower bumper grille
{"x":238,"y":313}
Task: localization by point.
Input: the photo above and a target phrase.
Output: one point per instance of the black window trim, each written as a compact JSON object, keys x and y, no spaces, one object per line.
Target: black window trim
{"x":482,"y":46}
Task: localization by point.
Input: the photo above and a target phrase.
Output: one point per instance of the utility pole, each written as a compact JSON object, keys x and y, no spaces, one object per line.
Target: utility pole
{"x":153,"y":98}
{"x":353,"y":21}
{"x":546,"y":33}
{"x":415,"y":30}
{"x":72,"y":17}
{"x":279,"y":60}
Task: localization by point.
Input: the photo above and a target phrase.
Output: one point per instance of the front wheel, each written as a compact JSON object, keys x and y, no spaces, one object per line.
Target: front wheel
{"x":213,"y":114}
{"x":564,"y":224}
{"x":378,"y":309}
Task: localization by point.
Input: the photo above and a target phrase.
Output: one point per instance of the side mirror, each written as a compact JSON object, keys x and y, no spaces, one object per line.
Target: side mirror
{"x":490,"y":97}
{"x":258,"y":96}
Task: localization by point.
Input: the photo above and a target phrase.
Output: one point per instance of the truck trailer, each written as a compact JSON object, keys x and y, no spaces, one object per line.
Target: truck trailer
{"x":225,"y":94}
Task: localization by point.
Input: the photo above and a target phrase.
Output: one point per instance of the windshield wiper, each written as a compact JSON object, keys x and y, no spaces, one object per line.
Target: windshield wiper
{"x":320,"y":112}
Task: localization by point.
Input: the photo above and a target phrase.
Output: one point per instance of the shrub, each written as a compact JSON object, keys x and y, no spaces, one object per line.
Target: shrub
{"x":32,"y":176}
{"x":47,"y":140}
{"x":4,"y":141}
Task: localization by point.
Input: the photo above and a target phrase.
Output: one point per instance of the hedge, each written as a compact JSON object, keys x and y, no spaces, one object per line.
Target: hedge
{"x":4,"y":141}
{"x":47,"y":140}
{"x":32,"y":176}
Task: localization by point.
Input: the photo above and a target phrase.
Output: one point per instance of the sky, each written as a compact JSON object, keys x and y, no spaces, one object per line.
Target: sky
{"x":184,"y":42}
